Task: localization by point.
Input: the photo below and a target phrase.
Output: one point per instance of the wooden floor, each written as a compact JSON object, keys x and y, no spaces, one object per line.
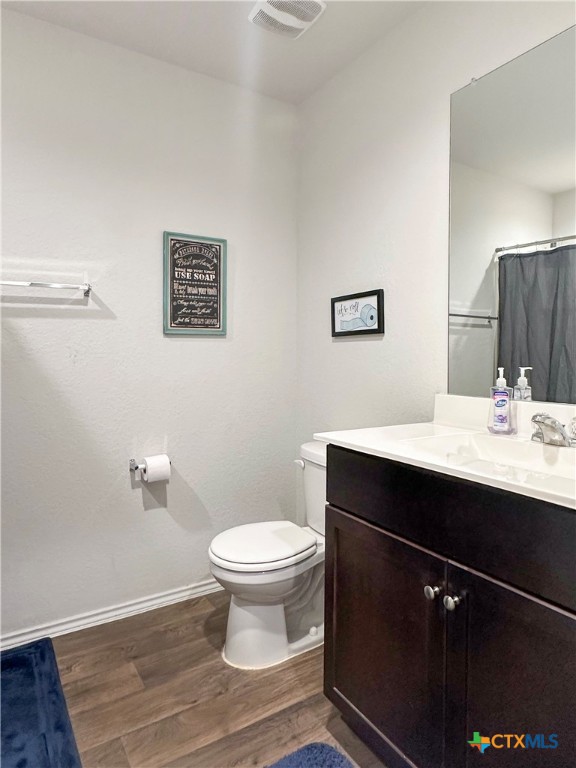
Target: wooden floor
{"x":152,"y":690}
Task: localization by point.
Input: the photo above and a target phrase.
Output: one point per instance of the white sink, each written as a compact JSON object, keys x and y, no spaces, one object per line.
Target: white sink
{"x":499,"y":450}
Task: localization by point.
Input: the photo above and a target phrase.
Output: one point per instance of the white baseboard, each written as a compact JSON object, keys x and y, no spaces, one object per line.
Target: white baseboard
{"x":104,"y":615}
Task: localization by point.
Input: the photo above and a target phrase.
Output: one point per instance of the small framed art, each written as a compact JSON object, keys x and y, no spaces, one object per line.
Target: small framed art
{"x":358,"y":313}
{"x":194,"y":285}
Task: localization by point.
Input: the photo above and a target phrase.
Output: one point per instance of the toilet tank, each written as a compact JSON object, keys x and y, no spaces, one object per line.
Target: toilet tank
{"x":314,"y":456}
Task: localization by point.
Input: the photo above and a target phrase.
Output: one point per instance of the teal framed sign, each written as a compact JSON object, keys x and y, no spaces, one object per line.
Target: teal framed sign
{"x":194,"y":285}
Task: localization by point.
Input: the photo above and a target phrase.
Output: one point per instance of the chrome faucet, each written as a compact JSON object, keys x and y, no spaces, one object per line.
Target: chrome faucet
{"x":548,"y":430}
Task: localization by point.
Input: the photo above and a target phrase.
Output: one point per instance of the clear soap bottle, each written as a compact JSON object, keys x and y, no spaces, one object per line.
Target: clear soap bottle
{"x":522,"y":391}
{"x":501,"y":417}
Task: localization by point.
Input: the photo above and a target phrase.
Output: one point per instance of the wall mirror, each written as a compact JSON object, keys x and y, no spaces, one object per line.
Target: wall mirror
{"x":512,"y":293}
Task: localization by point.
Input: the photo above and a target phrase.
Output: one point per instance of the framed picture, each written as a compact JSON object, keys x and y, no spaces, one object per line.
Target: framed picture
{"x":358,"y":313}
{"x":194,"y":285}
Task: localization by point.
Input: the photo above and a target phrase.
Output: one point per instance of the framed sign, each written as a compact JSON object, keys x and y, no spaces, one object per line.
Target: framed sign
{"x":358,"y":313}
{"x":194,"y":285}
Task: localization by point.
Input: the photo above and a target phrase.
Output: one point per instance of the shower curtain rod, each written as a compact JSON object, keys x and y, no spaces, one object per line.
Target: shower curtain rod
{"x":550,"y":240}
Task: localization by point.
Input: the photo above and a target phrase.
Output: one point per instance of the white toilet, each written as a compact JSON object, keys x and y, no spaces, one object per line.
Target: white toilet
{"x":275,"y":572}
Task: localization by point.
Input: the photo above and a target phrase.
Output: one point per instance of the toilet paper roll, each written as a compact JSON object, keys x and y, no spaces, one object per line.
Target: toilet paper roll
{"x":368,"y":318}
{"x":155,"y":468}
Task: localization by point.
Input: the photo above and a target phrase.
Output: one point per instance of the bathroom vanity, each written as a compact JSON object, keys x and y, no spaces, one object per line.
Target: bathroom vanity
{"x":450,"y":597}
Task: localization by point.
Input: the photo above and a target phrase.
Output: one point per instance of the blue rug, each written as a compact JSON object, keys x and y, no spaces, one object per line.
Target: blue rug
{"x":36,"y":730}
{"x":314,"y":756}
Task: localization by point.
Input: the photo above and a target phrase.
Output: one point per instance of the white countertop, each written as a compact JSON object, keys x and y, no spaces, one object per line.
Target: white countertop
{"x":513,"y":463}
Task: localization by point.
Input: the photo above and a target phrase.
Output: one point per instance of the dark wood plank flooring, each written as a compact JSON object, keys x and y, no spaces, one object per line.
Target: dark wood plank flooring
{"x":153,"y":691}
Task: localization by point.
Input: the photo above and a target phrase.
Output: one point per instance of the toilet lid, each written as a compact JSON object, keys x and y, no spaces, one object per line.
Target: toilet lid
{"x":262,"y":546}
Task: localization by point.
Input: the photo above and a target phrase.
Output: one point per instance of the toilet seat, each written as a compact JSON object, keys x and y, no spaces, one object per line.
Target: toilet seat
{"x":265,"y":546}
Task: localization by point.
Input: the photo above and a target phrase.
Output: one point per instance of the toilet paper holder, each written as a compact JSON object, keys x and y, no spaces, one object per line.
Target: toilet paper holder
{"x":135,"y":466}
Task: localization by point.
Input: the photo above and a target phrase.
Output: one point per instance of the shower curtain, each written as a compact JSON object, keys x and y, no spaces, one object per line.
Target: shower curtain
{"x":537,"y":321}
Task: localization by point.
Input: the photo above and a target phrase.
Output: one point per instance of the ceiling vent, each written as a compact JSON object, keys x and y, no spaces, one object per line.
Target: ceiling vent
{"x":290,"y":18}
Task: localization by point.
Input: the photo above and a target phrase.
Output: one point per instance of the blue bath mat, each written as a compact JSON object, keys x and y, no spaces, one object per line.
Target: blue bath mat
{"x":36,"y":730}
{"x":314,"y":756}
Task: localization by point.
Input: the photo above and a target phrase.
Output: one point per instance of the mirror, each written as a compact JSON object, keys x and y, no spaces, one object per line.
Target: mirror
{"x":512,"y":182}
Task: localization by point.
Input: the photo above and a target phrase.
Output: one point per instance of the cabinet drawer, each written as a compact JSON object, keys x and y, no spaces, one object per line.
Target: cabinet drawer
{"x":523,"y":541}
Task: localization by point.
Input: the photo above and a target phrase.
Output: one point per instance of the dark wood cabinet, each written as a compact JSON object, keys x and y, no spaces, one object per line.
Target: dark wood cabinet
{"x":417,"y":680}
{"x":511,"y":669}
{"x":387,"y":659}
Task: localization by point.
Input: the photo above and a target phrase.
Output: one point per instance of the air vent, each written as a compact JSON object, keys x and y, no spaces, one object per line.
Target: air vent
{"x":262,"y":19}
{"x":289,"y":18}
{"x":305,"y":11}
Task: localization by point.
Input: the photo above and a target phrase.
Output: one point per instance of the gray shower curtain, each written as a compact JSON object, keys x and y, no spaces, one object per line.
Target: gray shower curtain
{"x":537,"y":321}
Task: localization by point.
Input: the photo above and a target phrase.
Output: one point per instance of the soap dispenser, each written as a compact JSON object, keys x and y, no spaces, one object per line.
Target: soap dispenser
{"x":522,"y":391}
{"x":501,"y":418}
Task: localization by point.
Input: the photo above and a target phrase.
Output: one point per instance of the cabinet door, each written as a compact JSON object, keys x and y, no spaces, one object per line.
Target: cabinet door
{"x":511,"y":670}
{"x":385,"y":642}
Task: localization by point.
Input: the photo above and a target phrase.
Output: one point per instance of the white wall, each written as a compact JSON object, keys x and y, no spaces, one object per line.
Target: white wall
{"x":103,"y":150}
{"x":373,"y":206}
{"x":486,"y":212}
{"x":565,"y":214}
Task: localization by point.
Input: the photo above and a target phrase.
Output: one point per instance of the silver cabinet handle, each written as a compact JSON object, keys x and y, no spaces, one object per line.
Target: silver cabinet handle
{"x":431,"y":592}
{"x":450,"y":603}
